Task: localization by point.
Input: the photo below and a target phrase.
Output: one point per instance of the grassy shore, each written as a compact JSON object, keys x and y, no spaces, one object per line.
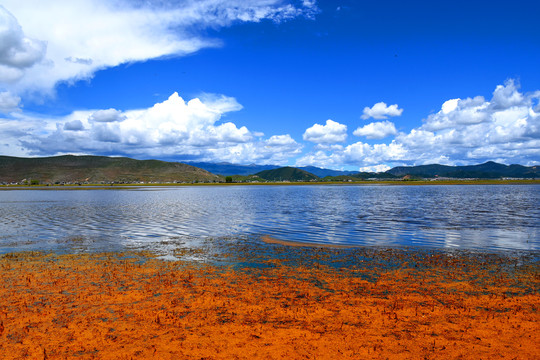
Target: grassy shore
{"x":270,"y":301}
{"x":396,"y":182}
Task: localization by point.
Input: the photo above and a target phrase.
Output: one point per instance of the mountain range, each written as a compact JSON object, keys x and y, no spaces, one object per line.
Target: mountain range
{"x":488,"y":170}
{"x":101,"y":169}
{"x":227,"y":169}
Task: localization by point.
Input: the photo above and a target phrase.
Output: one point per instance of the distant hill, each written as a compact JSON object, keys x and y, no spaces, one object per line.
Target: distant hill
{"x":101,"y":169}
{"x":97,"y":169}
{"x":286,"y":174}
{"x":325,"y":172}
{"x":488,"y":170}
{"x":227,"y":169}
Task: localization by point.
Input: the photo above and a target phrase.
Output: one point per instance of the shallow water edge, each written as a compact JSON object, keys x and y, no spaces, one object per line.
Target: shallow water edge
{"x":290,"y":302}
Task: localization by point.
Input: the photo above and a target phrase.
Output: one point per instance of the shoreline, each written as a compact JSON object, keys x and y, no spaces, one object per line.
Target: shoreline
{"x":315,"y":183}
{"x":267,"y":239}
{"x":271,"y":240}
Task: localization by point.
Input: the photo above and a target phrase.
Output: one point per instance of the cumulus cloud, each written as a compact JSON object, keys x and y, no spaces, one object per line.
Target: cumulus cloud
{"x":174,"y":128}
{"x":464,"y":131}
{"x":74,"y":125}
{"x":105,"y":116}
{"x":17,"y":51}
{"x":458,"y":112}
{"x":270,"y":151}
{"x":376,"y":130}
{"x":375,"y":168}
{"x":280,"y":140}
{"x":44,"y":42}
{"x":474,"y":129}
{"x":264,"y":153}
{"x":367,"y":154}
{"x":8,"y":102}
{"x":331,"y":133}
{"x":381,"y":111}
{"x":319,"y":158}
{"x":506,"y":96}
{"x":505,"y":128}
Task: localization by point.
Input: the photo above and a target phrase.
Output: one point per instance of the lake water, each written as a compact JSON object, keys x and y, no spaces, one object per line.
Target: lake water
{"x":491,"y":217}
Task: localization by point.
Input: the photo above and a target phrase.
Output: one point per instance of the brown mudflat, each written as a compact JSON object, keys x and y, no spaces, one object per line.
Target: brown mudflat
{"x":115,"y":306}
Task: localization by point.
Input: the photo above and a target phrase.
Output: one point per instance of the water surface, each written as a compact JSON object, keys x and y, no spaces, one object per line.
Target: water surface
{"x":482,"y":217}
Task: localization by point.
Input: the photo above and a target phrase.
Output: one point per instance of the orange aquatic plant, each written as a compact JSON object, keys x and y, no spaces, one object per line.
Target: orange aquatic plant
{"x":134,"y":306}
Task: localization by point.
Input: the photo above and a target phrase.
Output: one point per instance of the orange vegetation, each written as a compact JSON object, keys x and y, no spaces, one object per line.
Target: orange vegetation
{"x":133,"y":306}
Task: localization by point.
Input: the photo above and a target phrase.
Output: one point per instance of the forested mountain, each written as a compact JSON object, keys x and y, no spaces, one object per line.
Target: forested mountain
{"x":488,"y":170}
{"x":286,"y":174}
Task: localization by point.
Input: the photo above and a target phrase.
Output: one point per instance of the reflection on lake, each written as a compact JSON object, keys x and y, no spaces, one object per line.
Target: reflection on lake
{"x":490,"y":217}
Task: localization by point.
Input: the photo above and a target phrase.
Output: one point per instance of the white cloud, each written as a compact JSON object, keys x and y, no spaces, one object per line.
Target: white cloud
{"x":17,"y":51}
{"x":73,"y":125}
{"x":376,"y":130}
{"x":329,"y":147}
{"x":277,"y":150}
{"x":358,"y":154}
{"x":506,"y":96}
{"x":474,"y":129}
{"x":375,"y":168}
{"x":319,"y":158}
{"x":366,"y":154}
{"x":44,"y":42}
{"x":449,"y":106}
{"x":465,"y":131}
{"x":458,"y":112}
{"x":173,"y":128}
{"x":505,"y":128}
{"x":259,"y":152}
{"x":381,"y":111}
{"x":8,"y":102}
{"x":280,"y":140}
{"x":331,"y":133}
{"x":105,"y":116}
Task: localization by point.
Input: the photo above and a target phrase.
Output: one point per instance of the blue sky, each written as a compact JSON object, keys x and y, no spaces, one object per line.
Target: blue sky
{"x":338,"y":84}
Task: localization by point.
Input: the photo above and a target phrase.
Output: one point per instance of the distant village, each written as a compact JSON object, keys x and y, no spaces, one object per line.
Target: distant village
{"x":406,"y":178}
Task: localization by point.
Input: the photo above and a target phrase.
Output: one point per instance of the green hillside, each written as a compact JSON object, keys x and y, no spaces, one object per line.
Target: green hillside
{"x":97,"y":169}
{"x":286,"y":174}
{"x":488,"y":170}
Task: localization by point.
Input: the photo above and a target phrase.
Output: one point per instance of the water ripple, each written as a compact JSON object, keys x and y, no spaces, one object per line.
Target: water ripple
{"x":472,"y":217}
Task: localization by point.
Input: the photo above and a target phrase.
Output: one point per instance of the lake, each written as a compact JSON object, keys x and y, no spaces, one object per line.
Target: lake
{"x":478,"y":217}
